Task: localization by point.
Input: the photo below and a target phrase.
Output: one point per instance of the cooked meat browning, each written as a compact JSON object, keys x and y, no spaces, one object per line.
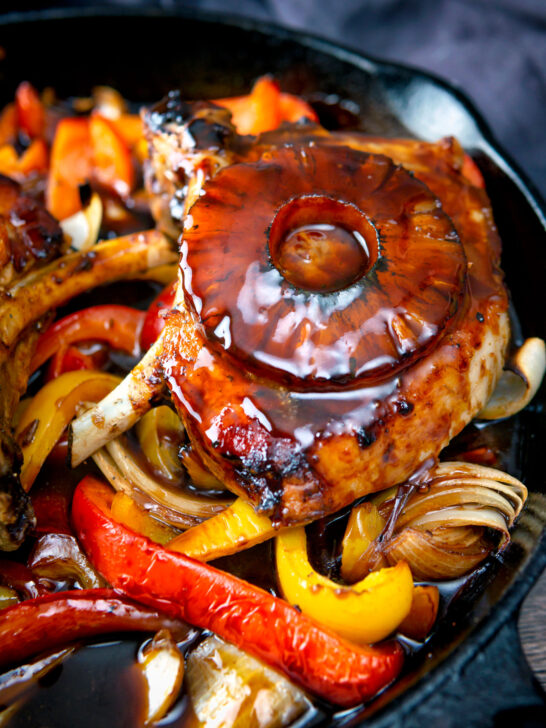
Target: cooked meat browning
{"x":304,"y":382}
{"x":338,"y":318}
{"x":16,"y":515}
{"x":29,"y":235}
{"x":303,"y":389}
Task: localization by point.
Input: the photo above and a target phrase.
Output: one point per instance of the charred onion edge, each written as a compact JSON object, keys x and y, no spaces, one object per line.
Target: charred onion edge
{"x":181,"y":509}
{"x":120,"y":410}
{"x":518,"y":382}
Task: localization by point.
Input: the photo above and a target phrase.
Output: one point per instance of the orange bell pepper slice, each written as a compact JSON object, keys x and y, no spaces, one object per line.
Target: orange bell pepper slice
{"x":472,"y":172}
{"x":265,"y":108}
{"x":70,"y":167}
{"x":112,"y":162}
{"x":130,"y":128}
{"x":422,"y":615}
{"x":30,"y":110}
{"x":9,"y":161}
{"x":35,"y":158}
{"x":294,"y":108}
{"x":8,"y":124}
{"x":257,"y":112}
{"x":251,"y":618}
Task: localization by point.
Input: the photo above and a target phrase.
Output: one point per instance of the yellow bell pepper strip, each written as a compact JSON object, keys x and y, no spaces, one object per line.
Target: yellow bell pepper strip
{"x":160,"y":434}
{"x":423,"y":613}
{"x":263,"y":625}
{"x":50,"y":412}
{"x":238,"y":527}
{"x":364,"y":526}
{"x":126,"y":511}
{"x":367,"y":611}
{"x":8,"y":597}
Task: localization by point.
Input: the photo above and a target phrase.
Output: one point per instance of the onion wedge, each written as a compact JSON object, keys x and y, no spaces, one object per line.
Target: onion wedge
{"x":120,"y":410}
{"x":173,"y":505}
{"x":518,"y":383}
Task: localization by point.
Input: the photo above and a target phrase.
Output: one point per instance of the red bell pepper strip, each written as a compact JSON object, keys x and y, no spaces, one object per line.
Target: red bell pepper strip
{"x":154,"y":321}
{"x":118,"y":326}
{"x":69,"y":359}
{"x":252,"y":619}
{"x":53,"y":620}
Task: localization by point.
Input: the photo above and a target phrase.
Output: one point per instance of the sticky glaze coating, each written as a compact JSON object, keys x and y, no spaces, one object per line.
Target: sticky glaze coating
{"x":29,"y":235}
{"x":300,"y":452}
{"x":298,"y":316}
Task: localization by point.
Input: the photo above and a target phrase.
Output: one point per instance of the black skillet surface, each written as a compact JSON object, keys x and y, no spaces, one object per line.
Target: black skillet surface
{"x":471,"y":672}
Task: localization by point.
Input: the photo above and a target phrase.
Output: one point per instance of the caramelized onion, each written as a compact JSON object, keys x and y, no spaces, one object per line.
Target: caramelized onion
{"x":162,"y":666}
{"x":175,"y":506}
{"x":228,"y":687}
{"x":442,"y":529}
{"x":82,"y":228}
{"x":19,"y":683}
{"x":429,"y":561}
{"x":58,"y":556}
{"x":519,"y":382}
{"x":160,"y":434}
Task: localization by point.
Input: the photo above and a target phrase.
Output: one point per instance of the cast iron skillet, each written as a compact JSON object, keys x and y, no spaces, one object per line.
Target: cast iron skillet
{"x":146,"y":53}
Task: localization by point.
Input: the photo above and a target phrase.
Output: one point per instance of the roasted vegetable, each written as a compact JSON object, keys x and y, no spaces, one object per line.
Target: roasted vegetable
{"x":267,"y":627}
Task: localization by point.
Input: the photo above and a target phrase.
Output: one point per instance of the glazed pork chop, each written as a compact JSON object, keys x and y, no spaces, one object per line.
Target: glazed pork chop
{"x":341,"y":313}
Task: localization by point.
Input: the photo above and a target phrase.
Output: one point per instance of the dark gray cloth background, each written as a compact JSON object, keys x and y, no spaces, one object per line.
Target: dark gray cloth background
{"x":494,"y":50}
